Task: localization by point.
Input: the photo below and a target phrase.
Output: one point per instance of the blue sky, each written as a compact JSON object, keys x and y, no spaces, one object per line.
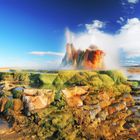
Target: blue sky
{"x":28,"y":26}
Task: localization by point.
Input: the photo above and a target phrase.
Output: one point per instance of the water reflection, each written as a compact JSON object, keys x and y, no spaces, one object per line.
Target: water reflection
{"x":134,"y":77}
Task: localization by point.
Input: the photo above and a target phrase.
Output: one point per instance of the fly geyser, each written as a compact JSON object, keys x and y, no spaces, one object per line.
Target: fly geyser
{"x":91,"y":58}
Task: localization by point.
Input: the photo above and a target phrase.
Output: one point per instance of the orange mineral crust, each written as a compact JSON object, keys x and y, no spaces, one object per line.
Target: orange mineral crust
{"x":91,"y":58}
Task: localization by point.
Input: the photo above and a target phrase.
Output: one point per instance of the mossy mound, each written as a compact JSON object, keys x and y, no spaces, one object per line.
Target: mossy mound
{"x":117,"y":76}
{"x":91,"y":79}
{"x":47,"y":79}
{"x":43,"y":80}
{"x":5,"y":76}
{"x":96,"y":82}
{"x":22,"y":78}
{"x":38,"y":80}
{"x":62,"y":78}
{"x":79,"y":79}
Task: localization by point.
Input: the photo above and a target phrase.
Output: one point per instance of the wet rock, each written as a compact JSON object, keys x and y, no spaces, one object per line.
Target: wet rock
{"x":103,"y":114}
{"x":32,"y":101}
{"x":95,"y":111}
{"x":73,"y":95}
{"x":8,"y":86}
{"x":2,"y":86}
{"x":103,"y":96}
{"x":74,"y":101}
{"x":70,"y":92}
{"x":127,"y":125}
{"x":104,"y":104}
{"x":17,"y":105}
{"x":30,"y":92}
{"x":78,"y":112}
{"x":3,"y":102}
{"x":1,"y":94}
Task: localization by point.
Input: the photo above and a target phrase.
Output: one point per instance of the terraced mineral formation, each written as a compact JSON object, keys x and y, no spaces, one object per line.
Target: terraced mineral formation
{"x":82,"y":105}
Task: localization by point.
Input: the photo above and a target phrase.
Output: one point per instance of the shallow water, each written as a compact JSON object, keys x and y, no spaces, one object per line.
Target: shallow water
{"x":19,"y":88}
{"x":3,"y":124}
{"x":133,"y":76}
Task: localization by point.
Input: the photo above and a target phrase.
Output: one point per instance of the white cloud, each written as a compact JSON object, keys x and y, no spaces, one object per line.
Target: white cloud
{"x":121,"y":20}
{"x":133,"y":1}
{"x":96,"y":24}
{"x":128,"y":6}
{"x":129,"y":35}
{"x":41,"y":53}
{"x":127,"y":38}
{"x":79,"y":25}
{"x":131,"y":23}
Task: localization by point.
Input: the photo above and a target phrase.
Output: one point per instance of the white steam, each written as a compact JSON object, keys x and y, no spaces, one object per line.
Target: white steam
{"x":127,"y":38}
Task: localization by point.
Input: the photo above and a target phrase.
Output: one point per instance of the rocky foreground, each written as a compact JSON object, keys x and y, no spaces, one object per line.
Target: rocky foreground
{"x":78,"y":105}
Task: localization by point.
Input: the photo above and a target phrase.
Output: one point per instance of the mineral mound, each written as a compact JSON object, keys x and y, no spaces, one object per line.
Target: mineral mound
{"x":91,"y":58}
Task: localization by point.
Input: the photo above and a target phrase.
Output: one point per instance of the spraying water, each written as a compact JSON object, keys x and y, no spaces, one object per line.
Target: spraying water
{"x":104,"y":42}
{"x":126,"y":38}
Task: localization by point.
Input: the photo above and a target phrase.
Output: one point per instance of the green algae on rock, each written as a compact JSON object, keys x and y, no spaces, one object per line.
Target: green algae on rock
{"x":82,"y":105}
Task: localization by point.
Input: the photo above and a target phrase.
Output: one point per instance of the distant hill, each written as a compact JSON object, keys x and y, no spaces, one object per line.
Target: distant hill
{"x":3,"y":69}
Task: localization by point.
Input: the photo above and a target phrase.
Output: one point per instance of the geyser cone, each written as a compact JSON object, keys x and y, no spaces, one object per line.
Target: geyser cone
{"x":91,"y":58}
